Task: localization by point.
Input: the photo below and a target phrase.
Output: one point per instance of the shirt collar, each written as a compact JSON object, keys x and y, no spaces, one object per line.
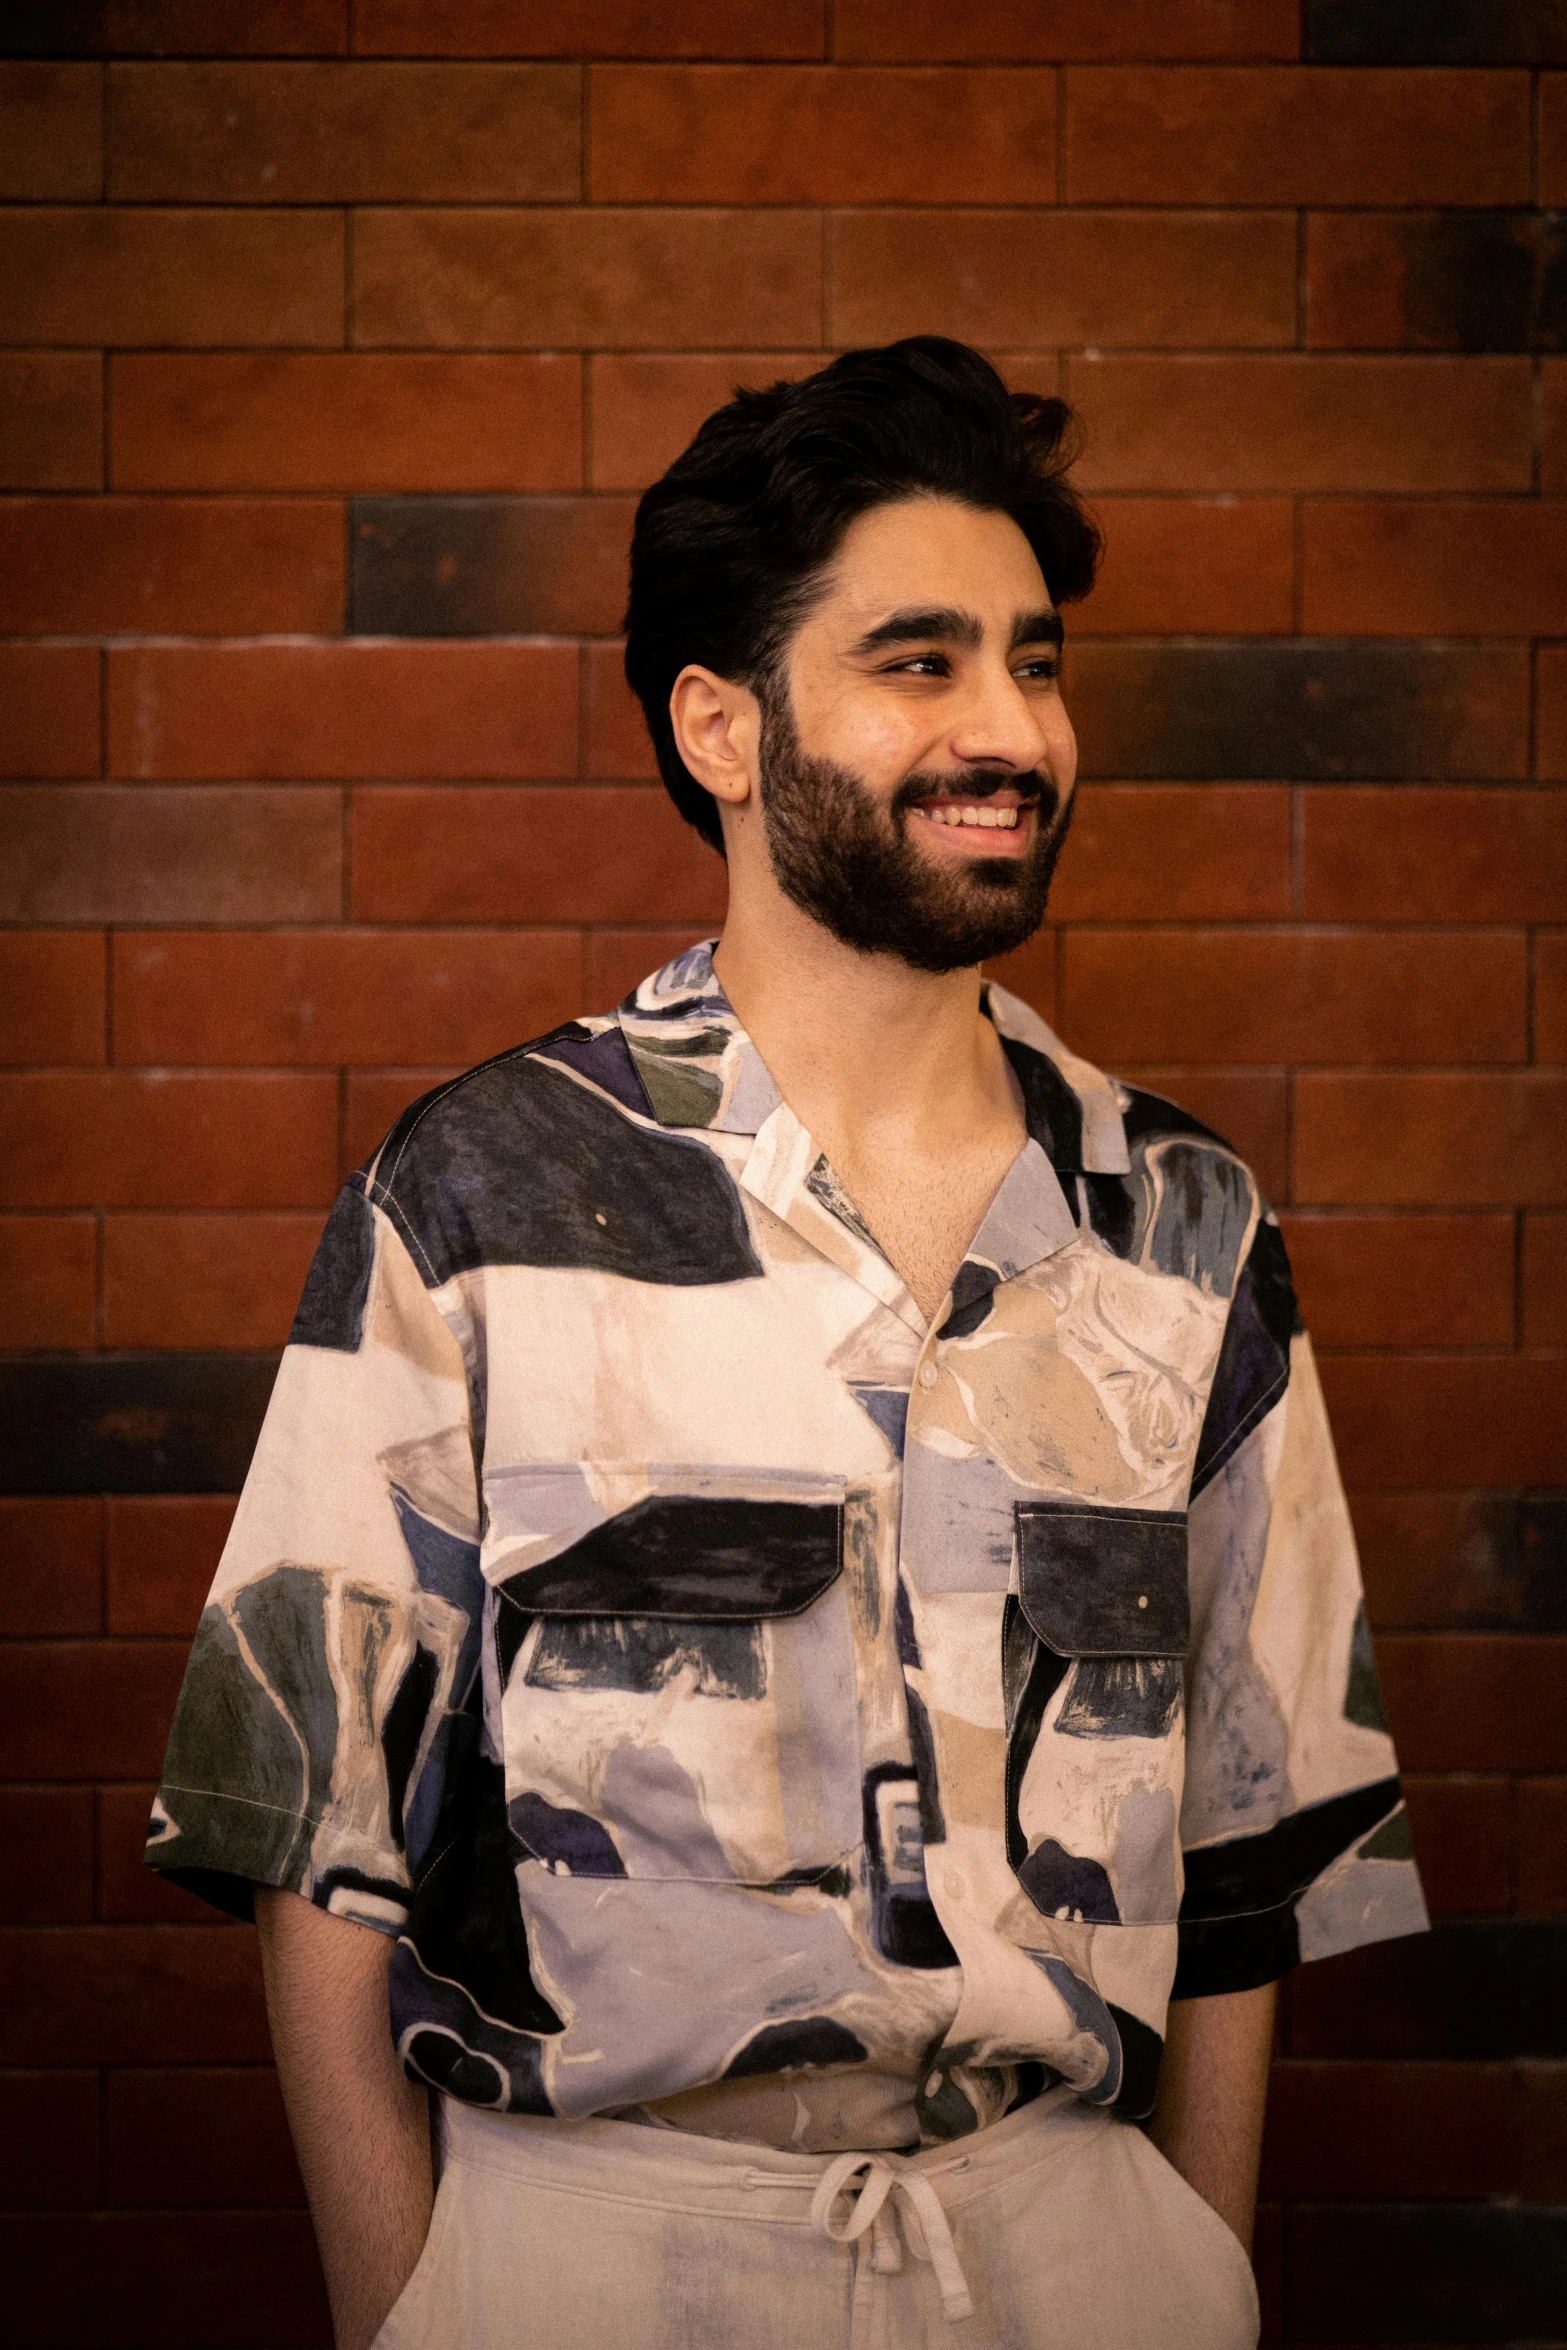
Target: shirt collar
{"x":700,"y":1068}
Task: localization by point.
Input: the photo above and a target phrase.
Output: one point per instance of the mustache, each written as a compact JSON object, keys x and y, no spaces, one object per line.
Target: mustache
{"x":1034,"y":790}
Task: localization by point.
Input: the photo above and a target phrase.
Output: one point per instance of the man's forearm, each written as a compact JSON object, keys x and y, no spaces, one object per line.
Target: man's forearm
{"x":360,"y":2127}
{"x":1213,"y":2090}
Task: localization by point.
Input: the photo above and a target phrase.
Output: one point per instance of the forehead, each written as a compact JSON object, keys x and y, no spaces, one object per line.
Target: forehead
{"x":932,"y":551}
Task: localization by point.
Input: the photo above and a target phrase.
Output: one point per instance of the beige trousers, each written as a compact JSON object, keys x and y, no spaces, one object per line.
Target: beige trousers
{"x":1058,"y":2226}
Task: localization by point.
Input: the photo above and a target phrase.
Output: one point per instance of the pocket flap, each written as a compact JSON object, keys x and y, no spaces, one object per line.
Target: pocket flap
{"x":705,"y":1558}
{"x":1104,"y":1582}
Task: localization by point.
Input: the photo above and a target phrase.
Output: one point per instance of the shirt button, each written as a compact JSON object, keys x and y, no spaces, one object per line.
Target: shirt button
{"x":927,"y":1375}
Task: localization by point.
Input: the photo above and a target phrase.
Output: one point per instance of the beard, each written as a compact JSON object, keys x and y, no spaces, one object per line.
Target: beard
{"x":847,"y":860}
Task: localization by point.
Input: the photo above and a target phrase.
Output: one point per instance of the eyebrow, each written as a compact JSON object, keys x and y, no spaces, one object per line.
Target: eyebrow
{"x":945,"y":623}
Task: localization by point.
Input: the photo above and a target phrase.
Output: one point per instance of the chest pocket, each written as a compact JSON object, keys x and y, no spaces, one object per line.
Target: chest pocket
{"x":678,"y":1688}
{"x":1095,"y":1642}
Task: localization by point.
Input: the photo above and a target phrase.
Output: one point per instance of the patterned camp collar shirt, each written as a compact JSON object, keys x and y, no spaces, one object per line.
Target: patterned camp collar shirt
{"x":711,"y":1674}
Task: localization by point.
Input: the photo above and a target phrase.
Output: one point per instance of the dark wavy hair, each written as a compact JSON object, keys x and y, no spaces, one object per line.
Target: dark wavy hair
{"x":730,"y":546}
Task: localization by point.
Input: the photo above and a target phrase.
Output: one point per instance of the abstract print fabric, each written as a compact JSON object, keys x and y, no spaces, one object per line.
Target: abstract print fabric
{"x":709,"y":1674}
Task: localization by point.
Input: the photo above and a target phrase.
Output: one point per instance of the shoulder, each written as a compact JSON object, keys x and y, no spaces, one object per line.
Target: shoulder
{"x":551,"y":1156}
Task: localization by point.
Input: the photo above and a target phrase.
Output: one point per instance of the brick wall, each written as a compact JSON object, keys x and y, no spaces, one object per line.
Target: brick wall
{"x":337,"y":345}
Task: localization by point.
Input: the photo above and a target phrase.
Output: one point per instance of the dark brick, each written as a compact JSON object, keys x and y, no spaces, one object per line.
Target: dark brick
{"x":1409,"y":2272}
{"x":1319,"y":709}
{"x":131,"y":1423}
{"x":1462,"y":1829}
{"x":1540,"y":1849}
{"x":130,"y":1893}
{"x":167,"y":2281}
{"x":131,"y":1995}
{"x":488,"y":566}
{"x":48,"y":1831}
{"x":86,"y":1709}
{"x":1380,"y":2131}
{"x":1435,"y":32}
{"x":48,"y":2141}
{"x":1543,"y":2130}
{"x":1464,"y":1562}
{"x":173,"y":28}
{"x":1437,"y":281}
{"x":1474,"y":1988}
{"x":199,"y":2138}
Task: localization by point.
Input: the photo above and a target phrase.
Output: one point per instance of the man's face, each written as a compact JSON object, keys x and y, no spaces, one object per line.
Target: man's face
{"x":917,"y":763}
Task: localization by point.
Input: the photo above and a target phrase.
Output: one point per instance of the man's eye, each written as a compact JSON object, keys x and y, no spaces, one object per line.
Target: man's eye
{"x":919,"y":665}
{"x":1047,"y":666}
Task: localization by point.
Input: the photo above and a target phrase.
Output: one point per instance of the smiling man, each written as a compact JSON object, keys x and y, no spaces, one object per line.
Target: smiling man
{"x":792,"y":1647}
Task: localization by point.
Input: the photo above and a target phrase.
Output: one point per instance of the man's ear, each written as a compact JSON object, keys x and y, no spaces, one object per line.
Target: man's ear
{"x":718,"y":733}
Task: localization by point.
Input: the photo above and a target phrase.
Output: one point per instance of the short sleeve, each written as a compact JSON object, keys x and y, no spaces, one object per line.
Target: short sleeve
{"x":340,"y":1641}
{"x":1295,"y":1839}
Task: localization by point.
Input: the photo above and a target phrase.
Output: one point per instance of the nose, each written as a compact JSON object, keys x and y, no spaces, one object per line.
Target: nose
{"x":999,"y":725}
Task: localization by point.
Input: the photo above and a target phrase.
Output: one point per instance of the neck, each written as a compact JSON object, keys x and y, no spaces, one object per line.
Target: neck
{"x":857,"y":1044}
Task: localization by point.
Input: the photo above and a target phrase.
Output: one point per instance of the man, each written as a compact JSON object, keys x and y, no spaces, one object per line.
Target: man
{"x":796,"y":1516}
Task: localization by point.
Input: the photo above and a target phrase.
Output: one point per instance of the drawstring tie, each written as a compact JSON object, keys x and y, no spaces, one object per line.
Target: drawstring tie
{"x":889,"y":2185}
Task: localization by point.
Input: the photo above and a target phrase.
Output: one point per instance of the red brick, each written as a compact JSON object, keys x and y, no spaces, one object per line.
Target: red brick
{"x":1545,"y":1280}
{"x":646,"y":405}
{"x":53,"y":117}
{"x":51,"y":990}
{"x":204,"y":1281}
{"x":804,"y":134}
{"x":163,"y":1553}
{"x":212,"y":28}
{"x":1543,"y":2129}
{"x":309,"y":997}
{"x":1474,"y":1701}
{"x":1256,"y":995}
{"x":1436,"y":1561}
{"x":574,"y":853}
{"x":130,"y":1893}
{"x":1032,"y":278}
{"x":1553,"y":424}
{"x":49,"y":1833}
{"x":1425,"y":2132}
{"x":1553,"y":138}
{"x":1296,"y":422}
{"x":1550,"y":750}
{"x":1311,"y":135}
{"x":1433,"y":855}
{"x":48,"y":1281}
{"x":617,"y":739}
{"x":343,"y":420}
{"x":149,"y":1139}
{"x":458,"y":709}
{"x":199,"y":2137}
{"x":1550,"y":997}
{"x":1071,"y":30}
{"x":1540,"y":1849}
{"x":374,"y":1101}
{"x":1404,"y":1280}
{"x":51,"y":1565}
{"x":343,"y":133}
{"x":49,"y":708}
{"x":51,"y":420}
{"x":1462,"y":1831}
{"x":1030,"y":971}
{"x":1188,"y":566}
{"x":1444,"y":1139}
{"x":1206,"y":850}
{"x":191,"y":279}
{"x":618,"y":960}
{"x":1459,"y":567}
{"x":540,"y":280}
{"x":465,"y":567}
{"x":210,"y":852}
{"x":179,"y":2279}
{"x":198,"y":567}
{"x":590,"y":28}
{"x":48,"y":2141}
{"x":1455,"y":1420}
{"x":1249,"y":1107}
{"x":87,"y":1709}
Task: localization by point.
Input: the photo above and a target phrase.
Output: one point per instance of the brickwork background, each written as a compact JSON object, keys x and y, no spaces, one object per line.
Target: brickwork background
{"x":337,"y":343}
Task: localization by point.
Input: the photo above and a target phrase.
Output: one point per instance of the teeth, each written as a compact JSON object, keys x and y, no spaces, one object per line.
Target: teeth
{"x":986,"y":817}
